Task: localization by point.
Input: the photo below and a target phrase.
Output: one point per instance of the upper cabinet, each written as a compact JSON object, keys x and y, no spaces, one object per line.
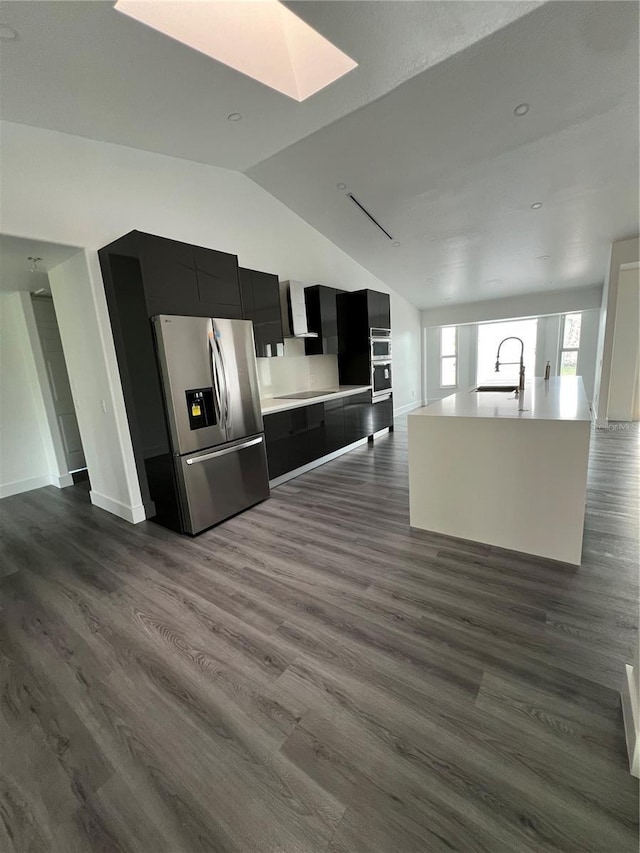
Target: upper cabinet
{"x":358,"y":312}
{"x":322,"y":317}
{"x":379,"y":309}
{"x":178,"y":278}
{"x":168,"y":275}
{"x":218,"y":283}
{"x":261,"y":304}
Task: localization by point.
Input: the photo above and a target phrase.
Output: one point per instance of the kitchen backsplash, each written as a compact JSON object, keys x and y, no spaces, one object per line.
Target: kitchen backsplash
{"x":296,"y":371}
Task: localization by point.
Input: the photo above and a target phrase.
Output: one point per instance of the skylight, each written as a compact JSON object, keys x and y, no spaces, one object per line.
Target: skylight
{"x":260,"y":38}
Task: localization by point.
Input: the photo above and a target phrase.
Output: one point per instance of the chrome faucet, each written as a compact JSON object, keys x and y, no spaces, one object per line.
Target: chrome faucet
{"x":521,"y":362}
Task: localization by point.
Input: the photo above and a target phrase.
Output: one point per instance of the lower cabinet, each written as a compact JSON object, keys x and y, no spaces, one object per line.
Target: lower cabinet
{"x":358,"y":422}
{"x":298,"y":436}
{"x":287,"y":441}
{"x":382,"y":414}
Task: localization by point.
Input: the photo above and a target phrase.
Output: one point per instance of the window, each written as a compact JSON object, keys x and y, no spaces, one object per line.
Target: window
{"x":489,"y":337}
{"x":448,"y":357}
{"x":570,"y":344}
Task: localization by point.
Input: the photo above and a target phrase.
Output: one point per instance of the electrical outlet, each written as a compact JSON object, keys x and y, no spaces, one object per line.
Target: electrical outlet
{"x":103,"y":406}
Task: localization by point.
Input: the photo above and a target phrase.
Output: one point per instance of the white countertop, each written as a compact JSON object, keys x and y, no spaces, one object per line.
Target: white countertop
{"x":561,"y":398}
{"x":279,"y":404}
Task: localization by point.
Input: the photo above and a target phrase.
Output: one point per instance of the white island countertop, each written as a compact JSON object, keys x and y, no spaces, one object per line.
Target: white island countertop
{"x":270,"y":405}
{"x":482,"y":470}
{"x":561,"y":398}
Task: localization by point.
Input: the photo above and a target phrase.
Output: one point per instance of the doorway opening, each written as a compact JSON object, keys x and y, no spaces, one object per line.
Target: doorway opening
{"x":41,"y":443}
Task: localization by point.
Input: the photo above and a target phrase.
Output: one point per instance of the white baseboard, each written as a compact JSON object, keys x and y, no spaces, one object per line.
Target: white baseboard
{"x":402,"y":410}
{"x":61,"y":482}
{"x":631,"y":715}
{"x":133,"y":514}
{"x":27,"y":485}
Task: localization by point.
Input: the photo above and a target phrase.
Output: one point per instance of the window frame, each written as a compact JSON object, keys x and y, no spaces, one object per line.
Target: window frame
{"x":562,"y":349}
{"x":448,"y":357}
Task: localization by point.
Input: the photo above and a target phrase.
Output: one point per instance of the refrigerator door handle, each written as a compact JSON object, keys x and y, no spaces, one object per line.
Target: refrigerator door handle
{"x":225,"y":378}
{"x":217,"y":453}
{"x":215,"y":379}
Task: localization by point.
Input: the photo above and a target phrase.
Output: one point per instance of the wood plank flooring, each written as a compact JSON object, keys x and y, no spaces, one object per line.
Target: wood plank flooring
{"x":314,"y":677}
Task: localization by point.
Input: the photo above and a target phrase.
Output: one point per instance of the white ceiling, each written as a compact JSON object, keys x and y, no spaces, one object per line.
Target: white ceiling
{"x":422,"y":132}
{"x":445,"y":166}
{"x":83,"y":68}
{"x":15,"y":268}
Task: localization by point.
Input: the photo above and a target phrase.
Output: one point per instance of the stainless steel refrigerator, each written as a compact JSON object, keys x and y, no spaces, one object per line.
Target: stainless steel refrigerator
{"x":212,"y":400}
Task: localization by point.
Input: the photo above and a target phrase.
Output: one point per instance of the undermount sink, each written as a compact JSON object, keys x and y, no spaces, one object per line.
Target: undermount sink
{"x":504,"y":388}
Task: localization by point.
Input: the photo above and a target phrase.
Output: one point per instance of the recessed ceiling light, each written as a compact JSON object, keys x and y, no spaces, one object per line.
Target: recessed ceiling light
{"x":7,"y":33}
{"x":521,"y":110}
{"x":341,"y":186}
{"x":543,"y":257}
{"x":536,"y":205}
{"x":548,"y":282}
{"x":265,"y":40}
{"x":429,"y":280}
{"x":396,"y":243}
{"x":234,"y":116}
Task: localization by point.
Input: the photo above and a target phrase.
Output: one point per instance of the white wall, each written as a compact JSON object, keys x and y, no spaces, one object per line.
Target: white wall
{"x":296,"y":372}
{"x":529,"y":305}
{"x":626,"y":343}
{"x":623,"y":253}
{"x":51,"y":430}
{"x":75,"y":191}
{"x":25,"y":443}
{"x":81,"y":308}
{"x":467,"y":355}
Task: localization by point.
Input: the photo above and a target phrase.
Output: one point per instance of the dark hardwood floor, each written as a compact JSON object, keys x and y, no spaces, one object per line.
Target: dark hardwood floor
{"x":315,"y":677}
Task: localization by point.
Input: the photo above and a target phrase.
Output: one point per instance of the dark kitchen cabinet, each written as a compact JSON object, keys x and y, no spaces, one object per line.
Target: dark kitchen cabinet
{"x":322,"y":317}
{"x":335,"y":436}
{"x":261,"y":304}
{"x":379,"y":309}
{"x":382,"y":414}
{"x":358,"y":417}
{"x":316,"y":432}
{"x":358,"y":313}
{"x":287,"y":441}
{"x":146,"y":275}
{"x":218,"y":283}
{"x":298,"y":436}
{"x":178,"y":278}
{"x":169,"y":278}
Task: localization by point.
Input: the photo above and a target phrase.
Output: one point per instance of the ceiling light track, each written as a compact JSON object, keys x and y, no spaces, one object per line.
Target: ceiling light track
{"x":369,"y":216}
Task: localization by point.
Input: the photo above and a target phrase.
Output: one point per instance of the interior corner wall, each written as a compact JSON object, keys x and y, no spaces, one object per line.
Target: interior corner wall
{"x":25,"y":442}
{"x":623,"y":252}
{"x":81,"y":310}
{"x":58,"y":468}
{"x":623,"y":390}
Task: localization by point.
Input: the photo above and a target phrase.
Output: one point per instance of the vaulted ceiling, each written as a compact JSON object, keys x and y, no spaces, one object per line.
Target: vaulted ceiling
{"x":423,"y":132}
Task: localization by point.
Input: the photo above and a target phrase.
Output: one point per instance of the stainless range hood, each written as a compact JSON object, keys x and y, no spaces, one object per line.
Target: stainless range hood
{"x":294,"y":310}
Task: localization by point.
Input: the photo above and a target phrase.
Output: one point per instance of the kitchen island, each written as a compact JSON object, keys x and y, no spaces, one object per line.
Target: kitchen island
{"x":505,"y":471}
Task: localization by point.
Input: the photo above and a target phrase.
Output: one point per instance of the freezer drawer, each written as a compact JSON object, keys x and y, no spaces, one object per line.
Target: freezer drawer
{"x":221,"y":482}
